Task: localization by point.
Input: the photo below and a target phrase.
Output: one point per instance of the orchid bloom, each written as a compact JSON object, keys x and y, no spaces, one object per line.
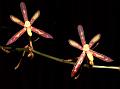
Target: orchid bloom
{"x":27,"y":25}
{"x":86,"y":50}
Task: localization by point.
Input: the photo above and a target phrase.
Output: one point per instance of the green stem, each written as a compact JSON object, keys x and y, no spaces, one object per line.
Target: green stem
{"x":59,"y":59}
{"x":107,"y":67}
{"x":54,"y":58}
{"x":10,"y":48}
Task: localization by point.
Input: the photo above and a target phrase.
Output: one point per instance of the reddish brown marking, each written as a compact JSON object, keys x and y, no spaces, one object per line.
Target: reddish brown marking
{"x":41,"y":33}
{"x":26,"y":25}
{"x":85,"y":49}
{"x":78,"y":64}
{"x":101,"y":56}
{"x":81,"y":34}
{"x":24,"y":11}
{"x":16,"y":36}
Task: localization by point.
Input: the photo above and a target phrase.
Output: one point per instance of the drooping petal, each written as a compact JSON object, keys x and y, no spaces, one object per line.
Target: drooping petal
{"x":24,"y":11}
{"x":16,"y":20}
{"x":35,"y":16}
{"x":78,"y":64}
{"x":16,"y":36}
{"x":75,"y":44}
{"x":41,"y":33}
{"x":81,"y":34}
{"x":94,"y":40}
{"x":17,"y":66}
{"x":101,"y":56}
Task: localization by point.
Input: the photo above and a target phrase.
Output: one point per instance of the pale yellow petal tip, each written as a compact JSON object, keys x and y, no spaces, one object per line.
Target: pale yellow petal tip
{"x":70,"y":41}
{"x":36,"y":15}
{"x":96,"y":38}
{"x":12,"y":17}
{"x":38,"y":11}
{"x":99,"y":35}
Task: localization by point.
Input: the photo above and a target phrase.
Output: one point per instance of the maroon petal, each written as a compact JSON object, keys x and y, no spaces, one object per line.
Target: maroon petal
{"x":81,"y":34}
{"x":101,"y":56}
{"x":78,"y":64}
{"x":41,"y":33}
{"x":24,"y":11}
{"x":16,"y":36}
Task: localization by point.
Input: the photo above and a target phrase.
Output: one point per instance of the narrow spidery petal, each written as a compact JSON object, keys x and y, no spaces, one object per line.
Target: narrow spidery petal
{"x":41,"y":33}
{"x":94,"y":40}
{"x":75,"y":44}
{"x":101,"y":56}
{"x":17,"y":66}
{"x":81,"y":34}
{"x":78,"y":64}
{"x":35,"y":16}
{"x":16,"y":20}
{"x":24,"y":11}
{"x":16,"y":36}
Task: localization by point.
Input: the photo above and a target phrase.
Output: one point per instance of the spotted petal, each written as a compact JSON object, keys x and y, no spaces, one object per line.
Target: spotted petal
{"x":16,"y":36}
{"x":101,"y":56}
{"x":78,"y":64}
{"x":81,"y":34}
{"x":41,"y":33}
{"x":24,"y":11}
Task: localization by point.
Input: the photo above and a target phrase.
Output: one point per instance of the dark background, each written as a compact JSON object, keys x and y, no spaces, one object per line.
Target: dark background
{"x":60,"y":18}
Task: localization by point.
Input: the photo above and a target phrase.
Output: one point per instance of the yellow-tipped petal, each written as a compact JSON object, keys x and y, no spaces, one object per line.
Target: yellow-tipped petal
{"x":75,"y":44}
{"x":71,"y":42}
{"x":96,"y":38}
{"x":36,"y":15}
{"x":14,"y":19}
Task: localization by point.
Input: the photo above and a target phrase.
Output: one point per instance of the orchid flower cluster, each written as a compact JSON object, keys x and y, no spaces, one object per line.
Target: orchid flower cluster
{"x":86,"y":48}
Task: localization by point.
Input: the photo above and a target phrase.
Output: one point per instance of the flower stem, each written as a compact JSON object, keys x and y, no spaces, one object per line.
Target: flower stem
{"x":58,"y":59}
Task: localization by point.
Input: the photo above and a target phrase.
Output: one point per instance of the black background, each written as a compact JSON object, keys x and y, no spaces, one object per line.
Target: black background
{"x":60,"y":18}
